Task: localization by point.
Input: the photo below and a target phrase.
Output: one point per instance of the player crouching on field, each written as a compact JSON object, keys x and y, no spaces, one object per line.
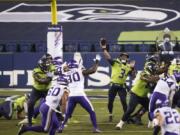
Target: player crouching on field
{"x":12,"y":104}
{"x":167,"y":118}
{"x":49,"y":121}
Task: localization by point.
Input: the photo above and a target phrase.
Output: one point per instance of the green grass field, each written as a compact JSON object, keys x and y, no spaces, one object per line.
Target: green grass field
{"x":80,"y":123}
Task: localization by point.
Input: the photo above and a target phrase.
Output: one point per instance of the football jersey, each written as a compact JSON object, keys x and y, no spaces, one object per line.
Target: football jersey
{"x":171,"y":120}
{"x":140,"y":87}
{"x":19,"y":102}
{"x":174,"y":68}
{"x":166,"y":86}
{"x":40,"y":86}
{"x":54,"y":96}
{"x":120,"y":72}
{"x":76,"y":82}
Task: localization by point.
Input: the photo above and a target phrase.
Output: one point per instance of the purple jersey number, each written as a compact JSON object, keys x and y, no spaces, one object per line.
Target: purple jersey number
{"x":171,"y":117}
{"x":75,"y":77}
{"x":54,"y":91}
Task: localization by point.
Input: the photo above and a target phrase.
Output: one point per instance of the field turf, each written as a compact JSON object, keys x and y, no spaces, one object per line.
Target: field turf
{"x":80,"y":123}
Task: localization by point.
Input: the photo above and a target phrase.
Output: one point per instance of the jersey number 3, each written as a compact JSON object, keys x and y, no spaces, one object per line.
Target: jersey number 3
{"x":123,"y":71}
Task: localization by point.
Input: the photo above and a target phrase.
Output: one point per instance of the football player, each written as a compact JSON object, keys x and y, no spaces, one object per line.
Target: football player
{"x":49,"y":121}
{"x":77,"y":95}
{"x":139,"y":91}
{"x":42,"y":76}
{"x":167,"y":118}
{"x":120,"y":71}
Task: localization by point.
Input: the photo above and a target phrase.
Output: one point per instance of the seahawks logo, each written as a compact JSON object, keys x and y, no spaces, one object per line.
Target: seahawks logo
{"x":102,"y":13}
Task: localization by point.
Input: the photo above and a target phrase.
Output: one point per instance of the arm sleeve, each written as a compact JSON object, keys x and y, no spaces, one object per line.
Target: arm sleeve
{"x":111,"y":61}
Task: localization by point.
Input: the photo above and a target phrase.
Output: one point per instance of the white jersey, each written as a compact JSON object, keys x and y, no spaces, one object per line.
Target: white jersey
{"x":54,"y":96}
{"x":166,"y":86}
{"x":171,"y":120}
{"x":76,"y":82}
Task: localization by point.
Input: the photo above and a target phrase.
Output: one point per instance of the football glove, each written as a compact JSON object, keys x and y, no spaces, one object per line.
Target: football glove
{"x":97,"y":58}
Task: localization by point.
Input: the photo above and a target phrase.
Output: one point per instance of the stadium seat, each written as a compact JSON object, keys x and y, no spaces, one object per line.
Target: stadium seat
{"x":11,"y":47}
{"x":97,"y":48}
{"x":129,"y":48}
{"x":114,"y":48}
{"x":85,"y":47}
{"x":1,"y":47}
{"x":144,"y":47}
{"x":70,"y":47}
{"x":25,"y":48}
{"x":40,"y":48}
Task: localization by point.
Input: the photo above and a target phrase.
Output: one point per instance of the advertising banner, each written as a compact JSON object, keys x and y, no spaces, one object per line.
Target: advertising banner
{"x":16,"y":69}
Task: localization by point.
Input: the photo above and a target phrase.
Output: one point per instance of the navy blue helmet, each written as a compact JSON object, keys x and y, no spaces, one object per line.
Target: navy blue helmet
{"x":45,"y":62}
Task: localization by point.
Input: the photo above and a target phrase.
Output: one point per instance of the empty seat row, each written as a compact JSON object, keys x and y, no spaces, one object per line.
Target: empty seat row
{"x":81,"y":47}
{"x":23,"y":48}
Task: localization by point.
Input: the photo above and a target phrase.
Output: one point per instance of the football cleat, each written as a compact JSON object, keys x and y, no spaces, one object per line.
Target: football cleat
{"x":119,"y":125}
{"x":22,"y":129}
{"x":110,"y":118}
{"x":96,"y":130}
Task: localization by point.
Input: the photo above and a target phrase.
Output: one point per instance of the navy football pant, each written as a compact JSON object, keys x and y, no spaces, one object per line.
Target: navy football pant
{"x":34,"y":97}
{"x":6,"y":109}
{"x":133,"y":102}
{"x":112,"y":94}
{"x":49,"y":121}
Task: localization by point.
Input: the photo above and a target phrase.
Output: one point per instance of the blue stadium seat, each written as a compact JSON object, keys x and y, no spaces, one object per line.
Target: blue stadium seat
{"x":40,"y":47}
{"x":25,"y":48}
{"x":11,"y":47}
{"x":97,"y":48}
{"x":1,"y":47}
{"x":70,"y":47}
{"x":144,"y":47}
{"x":114,"y":48}
{"x":129,"y":48}
{"x":85,"y":47}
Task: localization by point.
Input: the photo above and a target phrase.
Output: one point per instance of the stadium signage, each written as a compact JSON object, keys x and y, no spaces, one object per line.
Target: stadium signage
{"x":106,"y":13}
{"x":15,"y":76}
{"x":16,"y":71}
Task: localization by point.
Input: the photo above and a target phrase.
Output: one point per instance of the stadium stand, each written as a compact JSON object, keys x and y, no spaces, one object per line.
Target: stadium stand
{"x":97,"y":47}
{"x":40,"y":47}
{"x":85,"y":47}
{"x":129,"y":47}
{"x":26,"y":47}
{"x":1,"y":47}
{"x":11,"y":47}
{"x":115,"y":48}
{"x":144,"y":47}
{"x":70,"y":47}
{"x":79,"y":46}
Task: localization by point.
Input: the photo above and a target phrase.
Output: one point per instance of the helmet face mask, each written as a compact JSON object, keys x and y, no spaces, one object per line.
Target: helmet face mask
{"x":124,"y":58}
{"x":45,"y":62}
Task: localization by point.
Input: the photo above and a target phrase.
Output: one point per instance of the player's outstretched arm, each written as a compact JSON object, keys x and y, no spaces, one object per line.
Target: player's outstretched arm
{"x":103,"y":44}
{"x":93,"y":69}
